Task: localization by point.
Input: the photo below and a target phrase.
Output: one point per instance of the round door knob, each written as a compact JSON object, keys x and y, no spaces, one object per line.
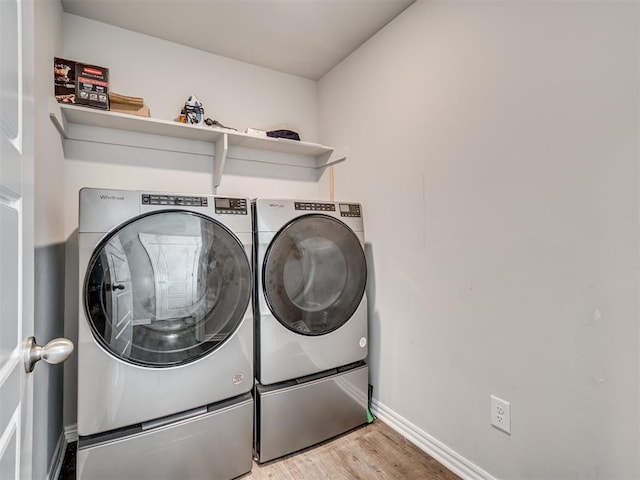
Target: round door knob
{"x":56,"y":351}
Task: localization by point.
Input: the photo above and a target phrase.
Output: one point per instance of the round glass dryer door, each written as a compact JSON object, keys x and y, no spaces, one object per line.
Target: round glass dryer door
{"x":167,"y":288}
{"x":314,"y":275}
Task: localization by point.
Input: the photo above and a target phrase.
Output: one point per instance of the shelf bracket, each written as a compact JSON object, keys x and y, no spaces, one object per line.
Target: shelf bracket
{"x":219,"y":158}
{"x":55,"y":114}
{"x":331,"y":158}
{"x":333,"y":162}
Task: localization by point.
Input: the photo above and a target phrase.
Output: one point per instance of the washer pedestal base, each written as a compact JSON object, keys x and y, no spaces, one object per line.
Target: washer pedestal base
{"x":291,"y":416}
{"x":215,"y":444}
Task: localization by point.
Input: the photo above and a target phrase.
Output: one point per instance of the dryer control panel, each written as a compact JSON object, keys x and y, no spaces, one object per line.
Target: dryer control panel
{"x":346,"y":209}
{"x":233,"y":206}
{"x":317,"y":206}
{"x":155,"y":199}
{"x":350,"y":210}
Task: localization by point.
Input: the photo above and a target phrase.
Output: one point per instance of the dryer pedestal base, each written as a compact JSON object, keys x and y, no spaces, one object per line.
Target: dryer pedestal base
{"x":291,"y":416}
{"x":215,"y":444}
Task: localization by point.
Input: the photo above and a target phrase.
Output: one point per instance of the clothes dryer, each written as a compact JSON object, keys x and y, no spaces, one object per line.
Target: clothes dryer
{"x":165,"y":336}
{"x":311,"y":323}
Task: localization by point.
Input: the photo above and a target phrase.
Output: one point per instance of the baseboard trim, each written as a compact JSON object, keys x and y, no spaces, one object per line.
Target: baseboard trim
{"x":71,"y":433}
{"x":442,"y":453}
{"x":58,"y":457}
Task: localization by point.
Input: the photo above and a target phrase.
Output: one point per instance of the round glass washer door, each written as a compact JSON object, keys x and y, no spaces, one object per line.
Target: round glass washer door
{"x":167,"y":288}
{"x":314,"y":274}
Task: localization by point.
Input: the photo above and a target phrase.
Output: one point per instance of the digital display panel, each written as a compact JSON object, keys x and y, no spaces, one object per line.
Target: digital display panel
{"x":345,"y":208}
{"x":223,"y":203}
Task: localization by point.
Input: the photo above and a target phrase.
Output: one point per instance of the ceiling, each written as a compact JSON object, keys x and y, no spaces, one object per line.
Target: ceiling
{"x":301,"y":37}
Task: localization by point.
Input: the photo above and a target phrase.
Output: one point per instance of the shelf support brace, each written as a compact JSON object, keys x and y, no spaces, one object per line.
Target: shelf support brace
{"x":55,"y":114}
{"x":219,"y":159}
{"x":331,"y":158}
{"x":333,"y":162}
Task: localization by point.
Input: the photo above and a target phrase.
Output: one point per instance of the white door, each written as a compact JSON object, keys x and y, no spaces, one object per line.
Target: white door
{"x":16,"y":237}
{"x":16,"y":240}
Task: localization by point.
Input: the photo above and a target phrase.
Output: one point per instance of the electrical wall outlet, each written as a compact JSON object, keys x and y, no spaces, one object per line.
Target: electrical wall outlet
{"x":501,"y":414}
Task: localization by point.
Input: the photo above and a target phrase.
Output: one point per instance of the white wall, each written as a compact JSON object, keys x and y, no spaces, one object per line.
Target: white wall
{"x":49,"y":242}
{"x":494,"y":146}
{"x":236,"y":94}
{"x":165,"y":74}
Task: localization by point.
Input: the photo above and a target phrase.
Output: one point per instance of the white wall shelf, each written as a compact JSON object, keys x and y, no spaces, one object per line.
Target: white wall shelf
{"x":93,"y":125}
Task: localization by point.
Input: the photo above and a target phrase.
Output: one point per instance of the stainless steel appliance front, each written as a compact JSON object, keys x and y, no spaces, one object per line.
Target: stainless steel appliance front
{"x":165,"y":323}
{"x":311,"y":323}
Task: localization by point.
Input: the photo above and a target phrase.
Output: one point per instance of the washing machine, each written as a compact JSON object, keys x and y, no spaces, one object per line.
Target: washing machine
{"x":165,"y":336}
{"x":310,"y":314}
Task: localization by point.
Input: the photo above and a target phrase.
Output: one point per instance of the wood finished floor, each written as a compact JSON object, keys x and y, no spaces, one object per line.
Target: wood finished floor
{"x":372,"y":452}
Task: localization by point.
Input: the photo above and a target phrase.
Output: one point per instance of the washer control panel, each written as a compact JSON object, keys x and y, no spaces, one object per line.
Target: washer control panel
{"x":231,"y":206}
{"x":315,"y":206}
{"x":180,"y":200}
{"x":350,"y":210}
